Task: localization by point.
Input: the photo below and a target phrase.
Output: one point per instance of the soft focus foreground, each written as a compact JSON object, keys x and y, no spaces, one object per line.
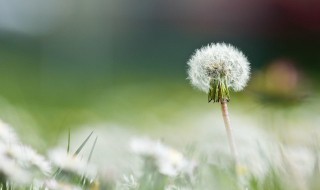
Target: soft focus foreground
{"x":114,"y":74}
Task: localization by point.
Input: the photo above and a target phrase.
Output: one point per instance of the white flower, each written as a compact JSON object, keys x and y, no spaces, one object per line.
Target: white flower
{"x":71,"y":163}
{"x":19,"y":163}
{"x":218,"y":66}
{"x":169,"y":161}
{"x":11,"y":170}
{"x":26,"y":157}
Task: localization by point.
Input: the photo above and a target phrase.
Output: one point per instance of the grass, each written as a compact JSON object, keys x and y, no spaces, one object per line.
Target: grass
{"x":50,"y":109}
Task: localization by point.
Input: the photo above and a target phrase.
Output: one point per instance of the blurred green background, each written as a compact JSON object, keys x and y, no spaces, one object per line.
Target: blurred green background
{"x":64,"y":63}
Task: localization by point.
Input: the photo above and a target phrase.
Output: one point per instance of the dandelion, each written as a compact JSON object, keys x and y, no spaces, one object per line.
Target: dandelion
{"x":215,"y":69}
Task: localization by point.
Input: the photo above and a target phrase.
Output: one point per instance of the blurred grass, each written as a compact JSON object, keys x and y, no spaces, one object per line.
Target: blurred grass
{"x":36,"y":99}
{"x":54,"y":103}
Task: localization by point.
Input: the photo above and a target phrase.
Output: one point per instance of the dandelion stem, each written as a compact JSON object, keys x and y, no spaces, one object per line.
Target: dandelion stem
{"x":225,"y":115}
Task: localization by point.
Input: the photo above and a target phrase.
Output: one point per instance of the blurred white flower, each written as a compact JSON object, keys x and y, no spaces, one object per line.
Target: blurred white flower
{"x":169,"y":161}
{"x":7,"y":134}
{"x":110,"y":150}
{"x":69,"y":162}
{"x":26,"y":157}
{"x":18,"y":163}
{"x":219,"y":66}
{"x":11,"y":170}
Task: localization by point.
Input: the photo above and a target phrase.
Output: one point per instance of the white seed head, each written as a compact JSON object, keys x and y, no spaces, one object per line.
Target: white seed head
{"x":218,"y":61}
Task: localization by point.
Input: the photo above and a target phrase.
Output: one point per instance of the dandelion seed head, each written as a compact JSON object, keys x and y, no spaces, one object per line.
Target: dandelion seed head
{"x":218,"y":61}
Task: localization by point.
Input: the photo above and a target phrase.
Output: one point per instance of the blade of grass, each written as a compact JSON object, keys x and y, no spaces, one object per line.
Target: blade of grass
{"x":82,"y":145}
{"x":92,"y":148}
{"x":89,"y":158}
{"x":76,"y":153}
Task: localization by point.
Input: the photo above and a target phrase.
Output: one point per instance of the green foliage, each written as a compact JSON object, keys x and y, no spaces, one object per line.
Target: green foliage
{"x":272,"y":181}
